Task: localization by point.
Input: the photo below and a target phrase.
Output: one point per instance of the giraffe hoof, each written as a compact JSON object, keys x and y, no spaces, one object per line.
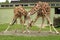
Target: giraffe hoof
{"x":5,"y":31}
{"x":24,"y":32}
{"x":39,"y":31}
{"x":28,"y":31}
{"x":43,"y":27}
{"x":57,"y":33}
{"x":15,"y":31}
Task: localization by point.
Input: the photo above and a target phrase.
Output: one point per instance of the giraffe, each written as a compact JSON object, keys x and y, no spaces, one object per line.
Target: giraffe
{"x":43,"y":10}
{"x":18,"y":13}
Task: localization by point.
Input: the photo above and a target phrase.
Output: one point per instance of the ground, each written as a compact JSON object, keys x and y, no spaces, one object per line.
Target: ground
{"x":32,"y":33}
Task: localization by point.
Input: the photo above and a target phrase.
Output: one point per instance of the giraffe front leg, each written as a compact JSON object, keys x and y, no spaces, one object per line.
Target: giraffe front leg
{"x":28,"y":25}
{"x":51,"y":25}
{"x":41,"y":25}
{"x":25,"y":18}
{"x":27,"y":29}
{"x":33,"y":22}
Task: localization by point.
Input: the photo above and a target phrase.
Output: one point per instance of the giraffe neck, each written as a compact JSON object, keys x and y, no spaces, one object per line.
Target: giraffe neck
{"x":34,"y":9}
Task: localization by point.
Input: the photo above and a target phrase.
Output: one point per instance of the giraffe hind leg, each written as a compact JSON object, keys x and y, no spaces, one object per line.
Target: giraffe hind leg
{"x":14,"y":20}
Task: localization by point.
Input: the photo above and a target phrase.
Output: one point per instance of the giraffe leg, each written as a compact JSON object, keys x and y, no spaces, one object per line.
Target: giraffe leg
{"x":27,"y":28}
{"x":28,"y":25}
{"x":25,"y":18}
{"x":35,"y":19}
{"x":41,"y":24}
{"x":16,"y":21}
{"x":13,"y":21}
{"x":21,"y":21}
{"x":22,"y":24}
{"x":32,"y":22}
{"x":51,"y":25}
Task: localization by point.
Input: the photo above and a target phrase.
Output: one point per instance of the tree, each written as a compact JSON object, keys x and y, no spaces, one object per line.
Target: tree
{"x":7,"y":1}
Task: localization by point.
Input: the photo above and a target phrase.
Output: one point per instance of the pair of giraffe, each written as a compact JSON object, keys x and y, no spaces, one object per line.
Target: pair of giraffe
{"x":41,"y":8}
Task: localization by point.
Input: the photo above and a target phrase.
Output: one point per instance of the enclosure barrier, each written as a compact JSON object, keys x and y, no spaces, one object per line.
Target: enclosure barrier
{"x":11,"y":5}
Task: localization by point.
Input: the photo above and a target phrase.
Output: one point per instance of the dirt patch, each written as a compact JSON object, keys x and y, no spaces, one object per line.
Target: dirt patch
{"x":32,"y":33}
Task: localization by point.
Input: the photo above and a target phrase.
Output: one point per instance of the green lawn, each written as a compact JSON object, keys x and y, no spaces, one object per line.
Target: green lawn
{"x":56,"y":37}
{"x":16,"y":26}
{"x":20,"y":27}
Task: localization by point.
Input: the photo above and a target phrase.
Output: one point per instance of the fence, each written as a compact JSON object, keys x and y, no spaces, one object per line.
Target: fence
{"x":11,"y":5}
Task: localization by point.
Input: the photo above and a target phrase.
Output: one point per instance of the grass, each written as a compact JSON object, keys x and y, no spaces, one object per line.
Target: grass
{"x":20,"y":27}
{"x":16,"y":26}
{"x":10,"y":37}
